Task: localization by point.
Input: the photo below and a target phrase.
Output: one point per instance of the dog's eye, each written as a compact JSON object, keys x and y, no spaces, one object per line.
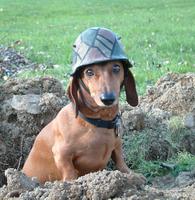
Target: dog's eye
{"x":116,"y":69}
{"x":89,"y":72}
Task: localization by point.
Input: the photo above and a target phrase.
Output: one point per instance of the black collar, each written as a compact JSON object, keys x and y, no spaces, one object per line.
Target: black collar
{"x":109,"y":124}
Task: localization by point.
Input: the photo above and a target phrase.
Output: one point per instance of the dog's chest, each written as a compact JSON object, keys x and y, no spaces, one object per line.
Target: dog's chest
{"x":97,"y":138}
{"x":94,"y":149}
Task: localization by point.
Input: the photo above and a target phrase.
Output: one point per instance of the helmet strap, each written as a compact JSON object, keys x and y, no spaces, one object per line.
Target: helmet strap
{"x":84,"y":86}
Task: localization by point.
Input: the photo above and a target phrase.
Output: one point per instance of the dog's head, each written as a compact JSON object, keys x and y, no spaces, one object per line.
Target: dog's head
{"x":100,"y":84}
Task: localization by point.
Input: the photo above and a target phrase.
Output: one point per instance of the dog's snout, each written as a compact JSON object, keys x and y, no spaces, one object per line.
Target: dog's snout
{"x":108,"y":98}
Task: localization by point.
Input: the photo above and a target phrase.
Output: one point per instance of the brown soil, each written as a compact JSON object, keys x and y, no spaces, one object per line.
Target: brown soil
{"x":26,"y":106}
{"x":173,"y":92}
{"x":99,"y":185}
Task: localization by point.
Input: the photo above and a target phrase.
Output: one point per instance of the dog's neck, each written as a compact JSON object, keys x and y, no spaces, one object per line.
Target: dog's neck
{"x":90,"y":109}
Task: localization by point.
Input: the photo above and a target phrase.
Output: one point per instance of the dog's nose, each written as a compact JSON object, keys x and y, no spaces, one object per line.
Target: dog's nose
{"x":108,"y":98}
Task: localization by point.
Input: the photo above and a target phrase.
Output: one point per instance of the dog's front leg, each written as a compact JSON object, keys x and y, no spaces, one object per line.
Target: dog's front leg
{"x":64,"y":162}
{"x":117,"y":156}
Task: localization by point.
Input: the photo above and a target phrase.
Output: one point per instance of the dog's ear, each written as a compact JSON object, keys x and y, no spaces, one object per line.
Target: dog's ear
{"x":72,"y":92}
{"x":130,"y":88}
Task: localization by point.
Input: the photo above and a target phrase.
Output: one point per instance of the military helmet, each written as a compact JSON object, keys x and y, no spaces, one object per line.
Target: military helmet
{"x":96,"y":45}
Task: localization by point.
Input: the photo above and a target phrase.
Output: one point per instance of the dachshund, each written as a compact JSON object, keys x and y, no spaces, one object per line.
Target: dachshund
{"x":83,"y":136}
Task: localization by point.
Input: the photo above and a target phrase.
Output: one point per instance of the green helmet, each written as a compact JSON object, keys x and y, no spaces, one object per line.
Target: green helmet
{"x":96,"y":45}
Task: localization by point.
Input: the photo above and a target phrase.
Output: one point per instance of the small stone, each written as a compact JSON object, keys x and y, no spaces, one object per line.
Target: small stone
{"x":189,"y":120}
{"x":28,"y":103}
{"x":133,"y":120}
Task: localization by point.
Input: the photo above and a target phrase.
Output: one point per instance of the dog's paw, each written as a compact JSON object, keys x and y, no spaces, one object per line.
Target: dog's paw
{"x":136,"y":179}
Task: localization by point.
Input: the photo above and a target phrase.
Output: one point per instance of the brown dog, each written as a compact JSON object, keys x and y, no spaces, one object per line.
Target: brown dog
{"x":69,"y":147}
{"x":83,"y":136}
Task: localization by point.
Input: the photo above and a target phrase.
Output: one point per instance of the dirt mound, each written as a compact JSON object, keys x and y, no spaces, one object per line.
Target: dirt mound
{"x":13,"y":62}
{"x":174,"y":93}
{"x":99,"y":185}
{"x":26,"y":106}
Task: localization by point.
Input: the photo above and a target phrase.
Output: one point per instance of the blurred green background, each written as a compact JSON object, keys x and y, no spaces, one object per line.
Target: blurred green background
{"x":158,"y":35}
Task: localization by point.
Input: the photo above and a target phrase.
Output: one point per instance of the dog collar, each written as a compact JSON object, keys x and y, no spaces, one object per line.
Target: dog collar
{"x":109,"y":124}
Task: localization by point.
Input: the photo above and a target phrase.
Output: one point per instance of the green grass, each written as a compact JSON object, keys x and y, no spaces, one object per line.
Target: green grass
{"x":159,"y":36}
{"x":183,"y":161}
{"x":136,"y":147}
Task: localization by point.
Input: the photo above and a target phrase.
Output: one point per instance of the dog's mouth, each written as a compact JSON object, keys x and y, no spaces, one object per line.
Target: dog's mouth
{"x":108,"y":106}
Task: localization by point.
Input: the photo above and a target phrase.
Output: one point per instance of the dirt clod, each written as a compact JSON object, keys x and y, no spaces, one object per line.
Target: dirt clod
{"x":173,"y":92}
